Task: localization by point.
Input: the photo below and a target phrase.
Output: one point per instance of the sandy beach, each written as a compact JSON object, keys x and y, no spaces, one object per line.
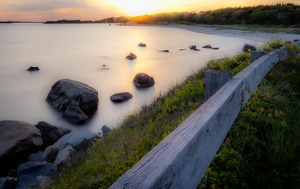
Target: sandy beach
{"x":255,"y":36}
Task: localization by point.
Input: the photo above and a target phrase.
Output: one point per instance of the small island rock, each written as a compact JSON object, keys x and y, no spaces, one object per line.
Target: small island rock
{"x":121,"y":97}
{"x":131,"y":56}
{"x":142,"y":80}
{"x":77,"y":100}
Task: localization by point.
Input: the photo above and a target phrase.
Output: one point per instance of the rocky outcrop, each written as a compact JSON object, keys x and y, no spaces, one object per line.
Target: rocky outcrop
{"x":77,"y":100}
{"x":51,"y":133}
{"x":248,"y":47}
{"x":62,"y":151}
{"x":17,"y":140}
{"x":33,"y":68}
{"x":121,"y":97}
{"x":142,"y":80}
{"x":131,"y":56}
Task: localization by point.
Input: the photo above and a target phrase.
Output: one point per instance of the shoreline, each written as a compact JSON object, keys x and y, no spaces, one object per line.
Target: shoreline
{"x":243,"y":34}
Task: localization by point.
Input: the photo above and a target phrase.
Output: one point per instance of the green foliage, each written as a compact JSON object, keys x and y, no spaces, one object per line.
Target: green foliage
{"x":272,"y":44}
{"x":279,"y":14}
{"x":234,"y":64}
{"x":293,"y":49}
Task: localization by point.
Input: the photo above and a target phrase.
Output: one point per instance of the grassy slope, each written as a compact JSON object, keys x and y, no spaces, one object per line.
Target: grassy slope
{"x":110,"y":157}
{"x":262,"y":148}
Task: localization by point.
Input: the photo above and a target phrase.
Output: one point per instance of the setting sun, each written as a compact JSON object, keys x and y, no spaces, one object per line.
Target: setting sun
{"x":135,"y":8}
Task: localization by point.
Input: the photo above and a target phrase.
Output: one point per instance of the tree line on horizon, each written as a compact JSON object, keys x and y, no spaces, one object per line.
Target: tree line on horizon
{"x":286,"y":14}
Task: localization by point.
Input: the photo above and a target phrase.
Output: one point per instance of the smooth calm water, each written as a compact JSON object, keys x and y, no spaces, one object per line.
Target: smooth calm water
{"x":78,"y":52}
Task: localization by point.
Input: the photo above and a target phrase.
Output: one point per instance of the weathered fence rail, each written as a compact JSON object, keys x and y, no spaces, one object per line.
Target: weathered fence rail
{"x":181,"y":159}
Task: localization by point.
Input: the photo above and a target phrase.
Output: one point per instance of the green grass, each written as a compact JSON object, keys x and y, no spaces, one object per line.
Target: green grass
{"x":113,"y":155}
{"x":262,"y":149}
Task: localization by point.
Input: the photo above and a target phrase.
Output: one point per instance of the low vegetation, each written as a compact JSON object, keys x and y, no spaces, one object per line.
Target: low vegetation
{"x":261,"y":150}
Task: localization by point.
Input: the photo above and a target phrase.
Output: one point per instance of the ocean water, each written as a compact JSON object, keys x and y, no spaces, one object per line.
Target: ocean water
{"x":79,"y":51}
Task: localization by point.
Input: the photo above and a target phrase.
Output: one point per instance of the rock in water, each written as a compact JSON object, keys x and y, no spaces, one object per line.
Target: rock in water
{"x":142,"y":80}
{"x":142,"y":45}
{"x":33,"y":68}
{"x":131,"y":56}
{"x":121,"y":97}
{"x":77,"y":100}
{"x":207,"y":47}
{"x":248,"y":47}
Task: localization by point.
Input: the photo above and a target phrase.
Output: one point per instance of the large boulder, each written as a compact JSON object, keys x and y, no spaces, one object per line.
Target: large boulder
{"x":51,"y":133}
{"x":121,"y":97}
{"x":17,"y":140}
{"x":77,"y":100}
{"x":142,"y":80}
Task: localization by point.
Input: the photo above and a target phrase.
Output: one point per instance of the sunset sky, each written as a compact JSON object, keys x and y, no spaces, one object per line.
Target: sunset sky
{"x":43,"y":10}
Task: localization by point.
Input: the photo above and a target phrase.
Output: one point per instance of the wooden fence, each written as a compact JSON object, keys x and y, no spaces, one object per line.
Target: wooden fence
{"x":181,"y":159}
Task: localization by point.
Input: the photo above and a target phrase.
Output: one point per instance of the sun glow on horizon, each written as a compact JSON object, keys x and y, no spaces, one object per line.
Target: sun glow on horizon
{"x":134,"y":8}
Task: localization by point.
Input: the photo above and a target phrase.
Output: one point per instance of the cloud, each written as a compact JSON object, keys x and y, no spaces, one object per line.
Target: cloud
{"x":42,"y":10}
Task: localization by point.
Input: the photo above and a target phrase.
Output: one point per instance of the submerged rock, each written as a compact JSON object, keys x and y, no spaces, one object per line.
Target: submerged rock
{"x":142,"y":80}
{"x":121,"y":97}
{"x":77,"y":100}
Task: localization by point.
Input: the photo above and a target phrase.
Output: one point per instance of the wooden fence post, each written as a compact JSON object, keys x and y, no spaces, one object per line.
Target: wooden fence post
{"x":254,"y":55}
{"x":214,"y":80}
